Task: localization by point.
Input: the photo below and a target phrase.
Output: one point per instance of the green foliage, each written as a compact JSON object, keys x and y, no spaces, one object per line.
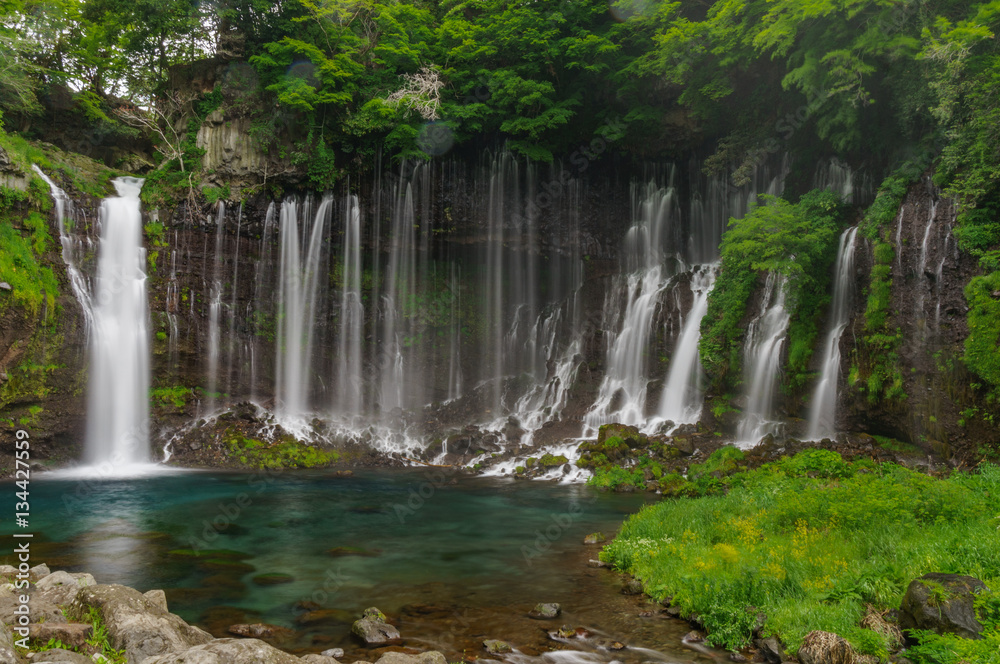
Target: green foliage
{"x":32,"y":285}
{"x":982,"y":346}
{"x":809,"y":540}
{"x":284,"y":453}
{"x":797,"y":241}
{"x":177,"y":396}
{"x":215,"y":194}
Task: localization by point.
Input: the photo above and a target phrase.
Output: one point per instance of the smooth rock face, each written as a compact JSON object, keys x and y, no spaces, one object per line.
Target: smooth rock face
{"x":72,"y":634}
{"x":39,"y":571}
{"x":942,"y":603}
{"x":137,"y":624}
{"x":157,"y":597}
{"x":227,"y":651}
{"x":431,"y":657}
{"x":825,"y":648}
{"x":772,"y":650}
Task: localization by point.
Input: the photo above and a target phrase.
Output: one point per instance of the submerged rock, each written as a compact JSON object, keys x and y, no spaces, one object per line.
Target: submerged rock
{"x":545,"y":611}
{"x":260,"y":631}
{"x":594,"y":538}
{"x":430,"y":657}
{"x":497,"y":647}
{"x":942,"y":603}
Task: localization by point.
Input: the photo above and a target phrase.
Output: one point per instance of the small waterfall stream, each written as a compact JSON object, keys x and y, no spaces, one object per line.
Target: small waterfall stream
{"x":682,"y":396}
{"x":762,"y":352}
{"x":823,"y":409}
{"x":352,"y":314}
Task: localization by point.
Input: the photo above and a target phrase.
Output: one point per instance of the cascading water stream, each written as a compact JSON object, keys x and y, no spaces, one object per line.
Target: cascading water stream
{"x":299,"y":278}
{"x":762,"y":356}
{"x":118,"y":413}
{"x":622,"y":395}
{"x":682,"y":398}
{"x":352,"y":314}
{"x":214,"y":307}
{"x":823,"y":409}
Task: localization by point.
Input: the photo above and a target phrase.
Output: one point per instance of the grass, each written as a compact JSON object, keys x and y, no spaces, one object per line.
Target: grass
{"x":810,"y":540}
{"x":178,"y":396}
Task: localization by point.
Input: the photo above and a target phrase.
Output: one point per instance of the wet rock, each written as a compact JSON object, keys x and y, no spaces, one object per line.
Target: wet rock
{"x":336,"y":653}
{"x":674,"y":611}
{"x":693,"y":637}
{"x":545,"y":611}
{"x":684,"y":445}
{"x":497,"y":647}
{"x":138,"y":625}
{"x":374,"y":630}
{"x":430,"y":657}
{"x":597,"y":563}
{"x":825,"y":648}
{"x":226,"y":651}
{"x":614,"y":646}
{"x":564,"y":632}
{"x":771,"y":649}
{"x":737,"y":657}
{"x":631,"y":586}
{"x":260,"y":631}
{"x":594,"y":538}
{"x":72,"y":634}
{"x":942,"y":603}
{"x":629,"y":434}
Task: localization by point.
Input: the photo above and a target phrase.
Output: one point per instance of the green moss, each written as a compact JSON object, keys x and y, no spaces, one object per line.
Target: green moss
{"x":982,"y":346}
{"x":550,"y":461}
{"x":177,"y":396}
{"x":284,"y":453}
{"x":215,"y":194}
{"x":32,"y":285}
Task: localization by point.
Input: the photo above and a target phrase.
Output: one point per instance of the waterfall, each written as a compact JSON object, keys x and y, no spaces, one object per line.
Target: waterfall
{"x":682,"y":396}
{"x":118,"y":415}
{"x":762,"y":357}
{"x":298,"y":291}
{"x":622,"y":395}
{"x":823,"y":409}
{"x":352,"y":315}
{"x":215,"y":304}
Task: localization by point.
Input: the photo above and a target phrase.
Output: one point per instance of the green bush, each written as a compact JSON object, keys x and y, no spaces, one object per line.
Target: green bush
{"x":31,"y":284}
{"x":797,"y":241}
{"x":982,"y":346}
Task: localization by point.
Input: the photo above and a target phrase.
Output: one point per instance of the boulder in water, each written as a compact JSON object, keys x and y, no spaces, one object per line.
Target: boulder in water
{"x":374,"y":630}
{"x":497,"y":647}
{"x":430,"y":657}
{"x":545,"y":611}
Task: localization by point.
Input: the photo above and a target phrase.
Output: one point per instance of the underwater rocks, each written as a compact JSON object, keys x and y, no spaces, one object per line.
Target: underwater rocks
{"x":545,"y":611}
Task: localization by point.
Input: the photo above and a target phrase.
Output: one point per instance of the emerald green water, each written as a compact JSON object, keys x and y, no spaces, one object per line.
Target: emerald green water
{"x":451,"y":559}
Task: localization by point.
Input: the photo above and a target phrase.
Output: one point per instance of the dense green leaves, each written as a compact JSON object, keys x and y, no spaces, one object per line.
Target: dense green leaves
{"x":798,"y":241}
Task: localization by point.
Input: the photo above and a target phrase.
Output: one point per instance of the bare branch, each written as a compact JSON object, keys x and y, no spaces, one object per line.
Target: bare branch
{"x":421,"y":92}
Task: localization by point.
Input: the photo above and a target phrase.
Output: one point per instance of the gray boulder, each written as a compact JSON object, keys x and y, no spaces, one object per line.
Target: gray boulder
{"x":318,"y":659}
{"x":72,"y":634}
{"x":496,"y":646}
{"x":157,"y":597}
{"x":59,"y":587}
{"x":375,"y":633}
{"x":336,"y":653}
{"x":40,"y":608}
{"x":545,"y":611}
{"x":227,"y":651}
{"x":942,"y":603}
{"x":8,"y":655}
{"x":137,"y":624}
{"x":38,"y":572}
{"x":60,"y":656}
{"x":430,"y":657}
